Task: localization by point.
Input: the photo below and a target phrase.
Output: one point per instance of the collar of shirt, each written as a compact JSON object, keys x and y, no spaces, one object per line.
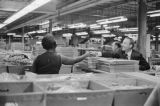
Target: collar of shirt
{"x":129,"y":54}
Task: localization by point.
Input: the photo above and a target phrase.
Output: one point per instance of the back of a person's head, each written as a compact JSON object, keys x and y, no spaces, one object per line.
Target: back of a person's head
{"x":48,"y":42}
{"x":117,"y":43}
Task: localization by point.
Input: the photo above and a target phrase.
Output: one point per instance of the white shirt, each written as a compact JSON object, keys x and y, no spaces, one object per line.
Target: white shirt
{"x":129,"y":54}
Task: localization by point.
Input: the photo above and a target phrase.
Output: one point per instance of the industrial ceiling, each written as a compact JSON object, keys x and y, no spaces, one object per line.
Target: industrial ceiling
{"x":74,"y":11}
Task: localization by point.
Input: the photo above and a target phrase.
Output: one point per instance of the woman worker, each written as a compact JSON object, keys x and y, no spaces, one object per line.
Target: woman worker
{"x":50,"y":62}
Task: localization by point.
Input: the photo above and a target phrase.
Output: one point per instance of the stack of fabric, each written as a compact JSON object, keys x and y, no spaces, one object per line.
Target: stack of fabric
{"x":69,"y":52}
{"x":89,"y":63}
{"x":117,"y":65}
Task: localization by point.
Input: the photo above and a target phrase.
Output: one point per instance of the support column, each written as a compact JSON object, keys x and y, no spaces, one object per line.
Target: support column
{"x":156,"y":41}
{"x":142,"y":27}
{"x":50,"y":26}
{"x":9,"y":42}
{"x":156,"y":31}
{"x":23,"y":38}
{"x":102,"y":42}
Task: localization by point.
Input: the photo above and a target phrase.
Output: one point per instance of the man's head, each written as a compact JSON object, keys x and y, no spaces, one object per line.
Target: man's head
{"x":48,"y":42}
{"x":128,"y":44}
{"x":116,"y":45}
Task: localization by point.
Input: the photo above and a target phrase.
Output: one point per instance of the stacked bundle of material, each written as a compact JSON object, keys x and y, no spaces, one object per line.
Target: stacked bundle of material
{"x":67,"y":51}
{"x":70,"y":52}
{"x":90,"y":62}
{"x":117,"y":65}
{"x":2,"y":45}
{"x":18,"y":46}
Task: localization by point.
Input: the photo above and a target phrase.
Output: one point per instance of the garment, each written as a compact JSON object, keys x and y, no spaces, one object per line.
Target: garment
{"x":135,"y":55}
{"x":129,"y":55}
{"x":47,"y":63}
{"x":117,"y":53}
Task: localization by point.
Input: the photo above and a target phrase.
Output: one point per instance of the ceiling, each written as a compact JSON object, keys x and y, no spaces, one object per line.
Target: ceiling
{"x":74,"y":11}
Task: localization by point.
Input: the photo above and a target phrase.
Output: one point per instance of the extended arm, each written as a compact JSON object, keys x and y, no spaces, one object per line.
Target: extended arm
{"x":71,"y":61}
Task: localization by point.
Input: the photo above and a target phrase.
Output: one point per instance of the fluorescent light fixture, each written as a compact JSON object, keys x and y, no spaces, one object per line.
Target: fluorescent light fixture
{"x":111,"y":27}
{"x":29,"y":8}
{"x":105,"y":25}
{"x":155,"y":11}
{"x":44,"y":23}
{"x":95,"y":26}
{"x":81,"y":33}
{"x":67,"y":35}
{"x":32,"y":32}
{"x":101,"y":31}
{"x":11,"y":34}
{"x":154,"y":15}
{"x":158,"y":26}
{"x":83,"y":36}
{"x":112,"y":20}
{"x":108,"y":35}
{"x":56,"y":28}
{"x":131,"y":35}
{"x":128,"y":29}
{"x":78,"y":25}
{"x":2,"y":25}
{"x":41,"y":31}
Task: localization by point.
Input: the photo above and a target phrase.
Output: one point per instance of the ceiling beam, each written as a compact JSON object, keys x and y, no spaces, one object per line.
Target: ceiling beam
{"x":14,"y":6}
{"x":38,"y":19}
{"x":15,"y":10}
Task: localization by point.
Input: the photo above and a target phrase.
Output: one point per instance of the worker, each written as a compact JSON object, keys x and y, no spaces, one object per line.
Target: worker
{"x":107,"y":51}
{"x":116,"y":48}
{"x":154,"y":98}
{"x":131,"y":54}
{"x":50,"y":62}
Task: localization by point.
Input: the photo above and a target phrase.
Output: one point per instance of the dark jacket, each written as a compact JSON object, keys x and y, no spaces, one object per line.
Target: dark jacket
{"x":143,"y":64}
{"x":116,"y":53}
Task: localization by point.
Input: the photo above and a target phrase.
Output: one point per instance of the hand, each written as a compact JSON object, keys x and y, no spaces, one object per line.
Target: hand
{"x":91,"y":53}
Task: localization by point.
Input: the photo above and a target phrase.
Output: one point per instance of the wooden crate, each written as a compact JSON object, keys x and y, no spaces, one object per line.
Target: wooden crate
{"x":97,"y":96}
{"x":21,"y":94}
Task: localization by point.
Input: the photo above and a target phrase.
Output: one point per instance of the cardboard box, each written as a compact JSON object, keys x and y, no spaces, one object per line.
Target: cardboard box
{"x":21,"y":94}
{"x":18,"y":69}
{"x":95,"y":95}
{"x":129,"y":91}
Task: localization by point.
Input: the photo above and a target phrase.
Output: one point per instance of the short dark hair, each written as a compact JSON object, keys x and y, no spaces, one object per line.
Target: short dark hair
{"x":117,"y":43}
{"x":131,"y":41}
{"x":48,"y":42}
